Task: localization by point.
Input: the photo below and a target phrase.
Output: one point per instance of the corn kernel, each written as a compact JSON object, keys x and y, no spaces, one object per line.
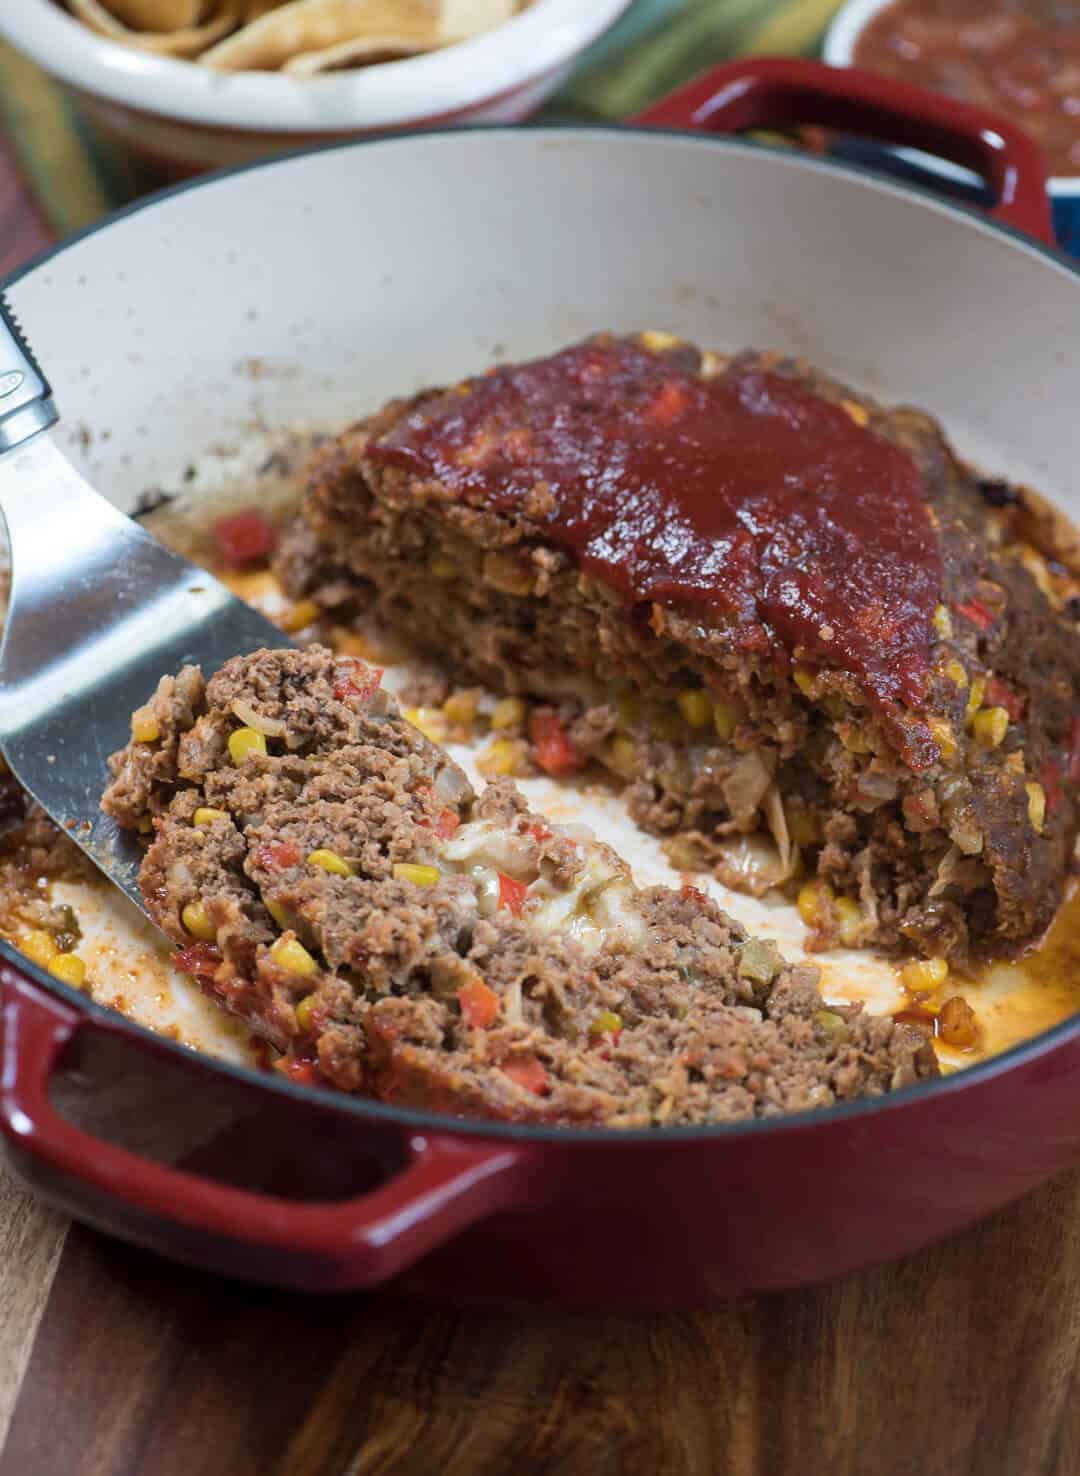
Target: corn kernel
{"x":431,"y":722}
{"x":244,"y":741}
{"x":197,"y":922}
{"x":354,"y":643}
{"x":443,"y":568}
{"x":725,"y":720}
{"x":923,"y":975}
{"x":957,"y":673}
{"x":711,"y":365}
{"x":305,"y":1012}
{"x":145,"y":727}
{"x":606,"y":1021}
{"x":942,"y":622}
{"x":622,"y":756}
{"x":853,"y":738}
{"x":975,"y":697}
{"x":289,"y":953}
{"x":803,"y":827}
{"x":277,"y":912}
{"x":832,"y":1023}
{"x":68,"y":969}
{"x":1036,"y":804}
{"x":330,"y":861}
{"x":850,"y":920}
{"x":695,"y":708}
{"x":508,"y":713}
{"x":805,"y":679}
{"x":206,"y":816}
{"x":39,"y":947}
{"x":300,"y":615}
{"x":412,"y":871}
{"x":990,"y":726}
{"x":628,"y":706}
{"x":503,"y":757}
{"x":460,"y":708}
{"x":859,"y":414}
{"x":811,"y":899}
{"x":507,"y":573}
{"x":943,"y":736}
{"x":657,"y":341}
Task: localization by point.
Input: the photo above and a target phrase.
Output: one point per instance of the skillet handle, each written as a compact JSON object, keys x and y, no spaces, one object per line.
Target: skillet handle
{"x":447,"y":1182}
{"x":781,"y":93}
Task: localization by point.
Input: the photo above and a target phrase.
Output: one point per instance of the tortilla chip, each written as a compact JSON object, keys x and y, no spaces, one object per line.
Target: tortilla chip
{"x":463,"y":18}
{"x":189,"y":42}
{"x":364,"y":52}
{"x":317,"y":25}
{"x":160,"y":15}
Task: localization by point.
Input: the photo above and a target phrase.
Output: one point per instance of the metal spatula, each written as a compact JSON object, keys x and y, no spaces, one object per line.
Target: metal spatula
{"x":99,"y":610}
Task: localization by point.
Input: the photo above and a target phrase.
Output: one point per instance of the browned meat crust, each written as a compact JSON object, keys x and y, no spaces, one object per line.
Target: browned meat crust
{"x":950,"y":830}
{"x":517,"y":974}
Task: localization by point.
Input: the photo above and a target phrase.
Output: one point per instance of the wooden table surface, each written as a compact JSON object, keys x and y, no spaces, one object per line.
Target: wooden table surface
{"x":962,"y":1360}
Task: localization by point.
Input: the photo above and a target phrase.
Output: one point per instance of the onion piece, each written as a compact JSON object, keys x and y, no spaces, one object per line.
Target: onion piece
{"x":268,"y":727}
{"x":776,"y":818}
{"x":749,"y":863}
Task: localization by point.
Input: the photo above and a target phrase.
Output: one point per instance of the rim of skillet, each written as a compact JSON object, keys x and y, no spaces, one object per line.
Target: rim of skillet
{"x":381,"y":1113}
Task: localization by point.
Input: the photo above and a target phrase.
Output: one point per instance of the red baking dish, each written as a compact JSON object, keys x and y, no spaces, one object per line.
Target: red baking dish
{"x":729,"y":242}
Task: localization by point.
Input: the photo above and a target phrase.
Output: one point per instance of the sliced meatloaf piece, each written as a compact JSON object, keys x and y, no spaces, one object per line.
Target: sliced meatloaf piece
{"x":331,"y":877}
{"x":806,"y":634}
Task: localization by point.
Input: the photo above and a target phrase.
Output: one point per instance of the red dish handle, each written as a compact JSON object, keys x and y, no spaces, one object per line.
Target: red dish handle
{"x":446,"y":1184}
{"x":778,"y":93}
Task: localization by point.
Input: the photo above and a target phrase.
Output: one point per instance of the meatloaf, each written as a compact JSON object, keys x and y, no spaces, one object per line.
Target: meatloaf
{"x":809,"y":637}
{"x":331,"y":877}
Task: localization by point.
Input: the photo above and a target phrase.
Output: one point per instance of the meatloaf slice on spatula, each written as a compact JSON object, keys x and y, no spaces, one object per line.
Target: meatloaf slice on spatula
{"x":330,"y":876}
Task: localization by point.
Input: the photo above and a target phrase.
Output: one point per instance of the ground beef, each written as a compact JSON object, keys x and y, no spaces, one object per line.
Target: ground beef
{"x":34,"y":853}
{"x":948,"y":826}
{"x":390,"y":932}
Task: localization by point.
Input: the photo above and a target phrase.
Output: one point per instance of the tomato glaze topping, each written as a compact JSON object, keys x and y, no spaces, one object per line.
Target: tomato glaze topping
{"x":745,"y":495}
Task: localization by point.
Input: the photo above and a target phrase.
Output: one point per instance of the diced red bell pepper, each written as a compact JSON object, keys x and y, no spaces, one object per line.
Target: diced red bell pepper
{"x":303,"y":1073}
{"x":976,"y":612}
{"x":1074,"y":751}
{"x":668,"y":405}
{"x":527,"y":1073}
{"x":355,"y":682}
{"x":512,"y":894}
{"x":555,"y":753}
{"x":277,"y":855}
{"x":1000,"y":694}
{"x":244,"y":537}
{"x":1050,"y":779}
{"x":540,"y":833}
{"x":479,"y":1004}
{"x":200,"y":959}
{"x":447,"y":824}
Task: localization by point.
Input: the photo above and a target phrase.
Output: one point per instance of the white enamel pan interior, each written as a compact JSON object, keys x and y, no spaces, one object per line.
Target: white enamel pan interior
{"x":313,"y":287}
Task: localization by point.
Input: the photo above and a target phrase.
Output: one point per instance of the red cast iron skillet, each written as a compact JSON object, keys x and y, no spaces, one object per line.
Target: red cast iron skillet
{"x":576,"y":1216}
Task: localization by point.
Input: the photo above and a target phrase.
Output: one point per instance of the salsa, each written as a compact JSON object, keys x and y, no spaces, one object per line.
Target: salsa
{"x":744,"y":493}
{"x":1021,"y":57}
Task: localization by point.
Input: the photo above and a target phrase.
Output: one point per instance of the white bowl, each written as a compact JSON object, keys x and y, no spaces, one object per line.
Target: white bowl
{"x":839,"y":51}
{"x":182,"y":118}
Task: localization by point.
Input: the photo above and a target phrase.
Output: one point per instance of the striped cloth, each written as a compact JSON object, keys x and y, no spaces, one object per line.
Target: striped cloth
{"x":657,"y":45}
